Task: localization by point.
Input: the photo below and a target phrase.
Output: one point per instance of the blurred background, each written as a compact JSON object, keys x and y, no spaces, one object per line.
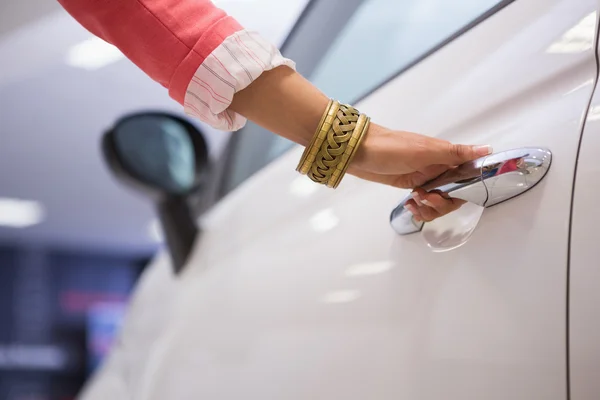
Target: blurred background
{"x":73,"y":241}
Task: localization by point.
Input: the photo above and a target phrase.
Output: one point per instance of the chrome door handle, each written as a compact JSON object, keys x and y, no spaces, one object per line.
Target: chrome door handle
{"x":486,"y":181}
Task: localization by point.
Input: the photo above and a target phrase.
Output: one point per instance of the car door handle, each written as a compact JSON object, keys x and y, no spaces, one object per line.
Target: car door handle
{"x":486,"y":181}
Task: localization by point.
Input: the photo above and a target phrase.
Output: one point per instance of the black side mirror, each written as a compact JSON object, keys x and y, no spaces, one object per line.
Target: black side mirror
{"x":166,"y":158}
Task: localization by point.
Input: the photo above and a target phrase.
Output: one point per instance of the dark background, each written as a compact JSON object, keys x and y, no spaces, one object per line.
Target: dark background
{"x":58,"y":311}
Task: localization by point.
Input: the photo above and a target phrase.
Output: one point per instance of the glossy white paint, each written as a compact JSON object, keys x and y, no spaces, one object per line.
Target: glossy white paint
{"x":267,"y":307}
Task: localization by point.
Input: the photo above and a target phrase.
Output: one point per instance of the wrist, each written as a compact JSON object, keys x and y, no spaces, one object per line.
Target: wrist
{"x":364,"y":154}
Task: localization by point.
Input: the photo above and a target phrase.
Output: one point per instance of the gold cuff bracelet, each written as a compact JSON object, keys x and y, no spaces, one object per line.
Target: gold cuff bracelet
{"x":339,"y":135}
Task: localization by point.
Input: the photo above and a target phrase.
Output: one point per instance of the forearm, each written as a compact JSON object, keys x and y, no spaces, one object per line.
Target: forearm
{"x":223,"y":74}
{"x":284,"y":102}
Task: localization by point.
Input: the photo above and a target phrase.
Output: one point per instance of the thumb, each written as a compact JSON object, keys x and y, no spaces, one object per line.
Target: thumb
{"x":455,"y":154}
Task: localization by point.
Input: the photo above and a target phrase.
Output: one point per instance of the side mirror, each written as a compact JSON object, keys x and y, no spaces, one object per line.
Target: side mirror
{"x":166,"y":158}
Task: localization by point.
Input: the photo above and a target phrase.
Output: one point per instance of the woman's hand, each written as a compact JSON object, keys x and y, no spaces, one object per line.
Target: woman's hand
{"x":408,"y":160}
{"x":282,"y":101}
{"x":427,"y":206}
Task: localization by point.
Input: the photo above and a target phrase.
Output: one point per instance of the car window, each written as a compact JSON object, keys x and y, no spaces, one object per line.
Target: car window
{"x":380,"y":39}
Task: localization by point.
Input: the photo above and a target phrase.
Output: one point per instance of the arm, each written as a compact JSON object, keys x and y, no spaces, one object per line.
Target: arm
{"x":284,"y":102}
{"x":194,"y":49}
{"x":223,"y":75}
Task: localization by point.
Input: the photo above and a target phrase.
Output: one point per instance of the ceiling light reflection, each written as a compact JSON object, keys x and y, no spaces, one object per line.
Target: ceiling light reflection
{"x":324,"y":220}
{"x":341,"y":296}
{"x":93,"y":54}
{"x":303,"y":187}
{"x":578,"y":39}
{"x":17,"y":213}
{"x":155,"y":231}
{"x":594,"y":114}
{"x":585,"y":84}
{"x":372,"y":268}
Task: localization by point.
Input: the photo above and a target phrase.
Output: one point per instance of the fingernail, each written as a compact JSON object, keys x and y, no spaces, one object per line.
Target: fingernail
{"x":427,"y":203}
{"x":417,"y":198}
{"x":483,"y":150}
{"x":410,"y":208}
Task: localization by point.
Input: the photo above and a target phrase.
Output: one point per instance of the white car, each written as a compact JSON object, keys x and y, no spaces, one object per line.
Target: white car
{"x":294,"y":291}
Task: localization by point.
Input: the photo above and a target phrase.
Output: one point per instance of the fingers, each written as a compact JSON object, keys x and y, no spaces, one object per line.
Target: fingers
{"x":456,"y":154}
{"x":414,"y":209}
{"x":407,"y":181}
{"x":429,"y":206}
{"x":418,"y":178}
{"x":426,"y":213}
{"x":406,"y":159}
{"x":442,"y":152}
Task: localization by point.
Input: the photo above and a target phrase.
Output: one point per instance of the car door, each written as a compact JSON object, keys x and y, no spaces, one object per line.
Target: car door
{"x":299,"y":292}
{"x":487,"y":320}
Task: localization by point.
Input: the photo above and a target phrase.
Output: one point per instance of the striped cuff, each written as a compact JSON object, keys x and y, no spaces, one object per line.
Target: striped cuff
{"x":231,"y":67}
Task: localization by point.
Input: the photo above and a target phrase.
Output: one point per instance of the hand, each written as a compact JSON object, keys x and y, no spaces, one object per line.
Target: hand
{"x":408,"y":160}
{"x":427,"y":206}
{"x":282,"y":101}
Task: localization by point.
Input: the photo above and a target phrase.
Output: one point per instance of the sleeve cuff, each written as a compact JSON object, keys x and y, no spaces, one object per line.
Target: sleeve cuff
{"x":230,"y":67}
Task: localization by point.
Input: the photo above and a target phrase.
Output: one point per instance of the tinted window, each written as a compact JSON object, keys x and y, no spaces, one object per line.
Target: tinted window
{"x":381,"y":39}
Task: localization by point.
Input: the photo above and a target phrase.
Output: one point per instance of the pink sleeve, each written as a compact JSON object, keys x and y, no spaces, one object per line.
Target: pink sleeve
{"x":167,"y":39}
{"x":202,"y":55}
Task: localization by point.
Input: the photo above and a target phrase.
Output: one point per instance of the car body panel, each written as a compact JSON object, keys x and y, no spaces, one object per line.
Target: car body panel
{"x":295,"y":291}
{"x":584,"y":268}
